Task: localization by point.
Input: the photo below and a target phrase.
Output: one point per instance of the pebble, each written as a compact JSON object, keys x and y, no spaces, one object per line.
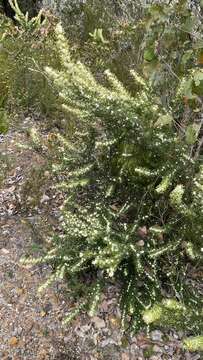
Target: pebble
{"x":196,"y":357}
{"x":125,"y":356}
{"x":99,"y":323}
{"x":107,"y":342}
{"x":157,"y":349}
{"x":44,"y":199}
{"x":4,"y":251}
{"x":134,"y":348}
{"x":156,"y":335}
{"x":18,"y":331}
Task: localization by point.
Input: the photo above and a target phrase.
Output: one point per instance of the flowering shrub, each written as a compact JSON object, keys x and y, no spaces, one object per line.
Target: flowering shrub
{"x":134,"y":195}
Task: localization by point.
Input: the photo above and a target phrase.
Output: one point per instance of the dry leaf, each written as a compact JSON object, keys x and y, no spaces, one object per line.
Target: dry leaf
{"x":115,"y":322}
{"x":13,"y":341}
{"x":19,"y":291}
{"x":43,"y":313}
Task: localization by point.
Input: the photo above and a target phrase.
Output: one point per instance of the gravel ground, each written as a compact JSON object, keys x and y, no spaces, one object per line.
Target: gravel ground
{"x":30,"y":324}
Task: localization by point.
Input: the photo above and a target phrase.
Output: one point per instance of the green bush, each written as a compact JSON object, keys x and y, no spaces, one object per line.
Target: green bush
{"x":24,"y":50}
{"x":172,"y":46}
{"x":194,"y":343}
{"x":30,"y":6}
{"x":117,"y":20}
{"x":172,"y":314}
{"x":133,"y":212}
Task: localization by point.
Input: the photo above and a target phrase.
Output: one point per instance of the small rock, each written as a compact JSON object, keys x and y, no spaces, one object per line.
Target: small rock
{"x":133,"y":340}
{"x":44,"y":199}
{"x":28,"y":118}
{"x":134,"y":347}
{"x":125,"y":356}
{"x":180,"y":334}
{"x":66,"y":339}
{"x":170,"y":350}
{"x":195,"y":357}
{"x":99,"y":323}
{"x":156,"y":335}
{"x":42,"y":354}
{"x":140,"y":243}
{"x":4,"y":251}
{"x":107,"y":342}
{"x":117,"y":336}
{"x":85,"y":328}
{"x":18,"y":331}
{"x":157,"y":349}
{"x":82,"y":330}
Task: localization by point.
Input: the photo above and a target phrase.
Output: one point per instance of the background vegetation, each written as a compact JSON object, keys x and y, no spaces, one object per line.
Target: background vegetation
{"x":127,"y":80}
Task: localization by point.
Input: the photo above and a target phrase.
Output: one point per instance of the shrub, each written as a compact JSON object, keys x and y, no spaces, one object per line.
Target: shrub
{"x":194,"y":343}
{"x":116,"y":19}
{"x":134,"y":195}
{"x":25,"y":49}
{"x":173,"y":314}
{"x":29,"y":6}
{"x":172,"y":47}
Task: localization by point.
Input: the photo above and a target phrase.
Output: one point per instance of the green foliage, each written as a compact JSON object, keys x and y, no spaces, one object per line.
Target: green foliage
{"x":27,"y":24}
{"x":3,"y":116}
{"x":171,"y":313}
{"x":3,"y":121}
{"x":117,"y":19}
{"x":134,"y":207}
{"x":172,"y":46}
{"x":98,"y":37}
{"x":24,"y":50}
{"x":194,"y":343}
{"x":29,"y":6}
